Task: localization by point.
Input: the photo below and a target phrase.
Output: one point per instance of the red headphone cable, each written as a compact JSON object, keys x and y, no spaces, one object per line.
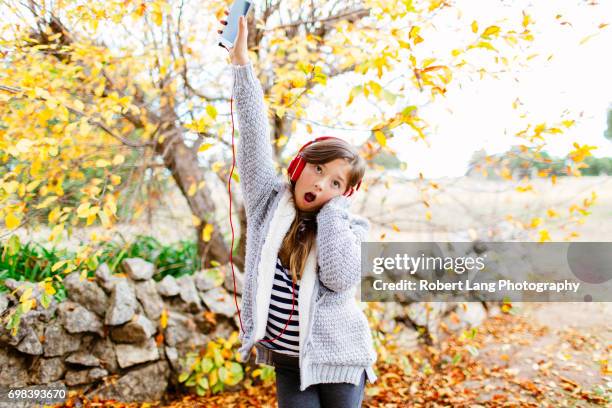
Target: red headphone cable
{"x":229,"y":190}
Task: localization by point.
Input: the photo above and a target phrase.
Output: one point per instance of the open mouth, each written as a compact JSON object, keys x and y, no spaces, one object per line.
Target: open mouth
{"x":309,"y":197}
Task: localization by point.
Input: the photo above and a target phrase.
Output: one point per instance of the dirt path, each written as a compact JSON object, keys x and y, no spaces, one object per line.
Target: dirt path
{"x":538,"y":355}
{"x":556,"y":354}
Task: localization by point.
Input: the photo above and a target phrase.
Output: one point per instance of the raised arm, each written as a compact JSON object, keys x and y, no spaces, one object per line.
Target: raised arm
{"x":254,"y":153}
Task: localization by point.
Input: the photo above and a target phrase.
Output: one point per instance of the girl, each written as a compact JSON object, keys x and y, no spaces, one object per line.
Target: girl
{"x":302,"y":259}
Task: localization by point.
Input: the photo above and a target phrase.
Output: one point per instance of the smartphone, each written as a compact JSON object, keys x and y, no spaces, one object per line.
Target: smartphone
{"x":230,"y":32}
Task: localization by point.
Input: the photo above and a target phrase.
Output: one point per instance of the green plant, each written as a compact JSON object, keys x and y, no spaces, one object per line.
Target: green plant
{"x":215,"y":368}
{"x":33,"y":263}
{"x":266,"y":373}
{"x":176,"y":260}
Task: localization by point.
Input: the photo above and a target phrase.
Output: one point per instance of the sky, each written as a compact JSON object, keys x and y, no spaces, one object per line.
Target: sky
{"x":578,"y":80}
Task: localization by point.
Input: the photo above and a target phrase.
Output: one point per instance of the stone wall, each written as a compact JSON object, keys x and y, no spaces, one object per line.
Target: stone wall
{"x":104,"y":339}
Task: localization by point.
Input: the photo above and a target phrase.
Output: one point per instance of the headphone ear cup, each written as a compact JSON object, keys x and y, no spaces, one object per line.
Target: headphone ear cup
{"x":296,"y":167}
{"x":292,"y":166}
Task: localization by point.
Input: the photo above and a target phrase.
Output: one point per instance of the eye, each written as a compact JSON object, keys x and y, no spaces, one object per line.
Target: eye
{"x":336,"y":184}
{"x":318,"y":168}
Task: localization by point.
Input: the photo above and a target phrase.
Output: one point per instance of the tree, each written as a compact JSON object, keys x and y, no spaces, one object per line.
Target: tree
{"x":92,"y":90}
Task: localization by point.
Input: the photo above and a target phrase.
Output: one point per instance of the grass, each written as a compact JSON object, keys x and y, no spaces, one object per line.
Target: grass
{"x":34,"y":263}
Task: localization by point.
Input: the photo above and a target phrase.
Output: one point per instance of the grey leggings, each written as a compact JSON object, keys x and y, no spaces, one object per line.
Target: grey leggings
{"x":336,"y":395}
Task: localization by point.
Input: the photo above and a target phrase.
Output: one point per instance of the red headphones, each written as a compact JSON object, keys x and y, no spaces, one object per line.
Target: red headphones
{"x":298,"y":163}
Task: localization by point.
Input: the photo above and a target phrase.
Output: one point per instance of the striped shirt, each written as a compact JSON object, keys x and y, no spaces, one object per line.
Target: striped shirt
{"x":280,"y":309}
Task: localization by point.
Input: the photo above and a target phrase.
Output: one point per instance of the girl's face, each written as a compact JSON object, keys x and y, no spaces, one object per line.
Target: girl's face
{"x":319,"y":183}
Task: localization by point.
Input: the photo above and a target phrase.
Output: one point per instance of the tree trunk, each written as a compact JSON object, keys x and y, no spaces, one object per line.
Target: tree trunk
{"x":183,"y":164}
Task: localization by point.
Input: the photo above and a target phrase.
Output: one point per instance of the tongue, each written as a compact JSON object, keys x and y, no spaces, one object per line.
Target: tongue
{"x":309,"y":197}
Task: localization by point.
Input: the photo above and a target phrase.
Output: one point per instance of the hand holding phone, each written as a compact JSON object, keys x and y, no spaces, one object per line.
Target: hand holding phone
{"x":234,"y":34}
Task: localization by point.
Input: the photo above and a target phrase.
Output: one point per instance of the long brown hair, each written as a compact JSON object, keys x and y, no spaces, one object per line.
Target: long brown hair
{"x":303,"y":231}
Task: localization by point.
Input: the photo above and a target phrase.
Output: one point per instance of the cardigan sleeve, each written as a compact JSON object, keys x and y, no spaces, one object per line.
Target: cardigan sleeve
{"x":254,"y":154}
{"x":339,"y":236}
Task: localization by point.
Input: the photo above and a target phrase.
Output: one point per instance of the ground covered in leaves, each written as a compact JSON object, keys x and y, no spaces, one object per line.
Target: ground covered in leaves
{"x":530,"y":357}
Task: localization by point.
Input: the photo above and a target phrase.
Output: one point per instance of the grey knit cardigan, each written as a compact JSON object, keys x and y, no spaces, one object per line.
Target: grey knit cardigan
{"x":335,"y":339}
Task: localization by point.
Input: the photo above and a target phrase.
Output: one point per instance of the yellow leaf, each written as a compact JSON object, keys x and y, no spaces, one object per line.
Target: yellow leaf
{"x":568,"y":123}
{"x":587,"y":38}
{"x":49,"y":289}
{"x":115,"y":179}
{"x":474,"y":27}
{"x":56,"y":231}
{"x":428,"y":215}
{"x":78,"y":105}
{"x":544,"y":235}
{"x":46,"y":202}
{"x":195,"y":220}
{"x":10,"y":187}
{"x":192,"y":190}
{"x":212,"y":111}
{"x":102,"y":163}
{"x":506,"y":173}
{"x":491,"y":30}
{"x":104,"y":218}
{"x":26,"y":306}
{"x":281,"y":141}
{"x":156,"y":14}
{"x":163,"y":319}
{"x":552,"y":213}
{"x":25,"y":295}
{"x":207,"y":232}
{"x":380,"y":138}
{"x":526,"y":19}
{"x":41,"y":93}
{"x":204,"y":147}
{"x":58,"y":265}
{"x":523,"y":189}
{"x":54,"y":215}
{"x":484,"y":44}
{"x":213,"y":377}
{"x":32,"y":185}
{"x":216,"y":166}
{"x":83,"y":210}
{"x":99,"y":90}
{"x":434,"y":4}
{"x":11,"y":221}
{"x":535,"y":222}
{"x":90,"y":219}
{"x":413,"y":34}
{"x":119,"y":159}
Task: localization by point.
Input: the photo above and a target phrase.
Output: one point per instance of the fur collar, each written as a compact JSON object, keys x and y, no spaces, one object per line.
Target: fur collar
{"x":279,"y":225}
